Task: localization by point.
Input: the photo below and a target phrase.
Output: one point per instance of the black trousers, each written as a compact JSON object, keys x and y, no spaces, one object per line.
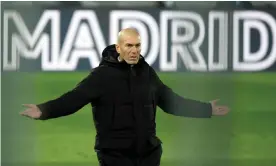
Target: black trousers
{"x":128,"y":157}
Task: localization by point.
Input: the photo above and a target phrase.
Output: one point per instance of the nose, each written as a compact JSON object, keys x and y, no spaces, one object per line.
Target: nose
{"x":134,"y":50}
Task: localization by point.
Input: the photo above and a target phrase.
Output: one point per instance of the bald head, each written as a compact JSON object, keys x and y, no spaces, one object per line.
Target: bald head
{"x":128,"y":32}
{"x":129,"y":45}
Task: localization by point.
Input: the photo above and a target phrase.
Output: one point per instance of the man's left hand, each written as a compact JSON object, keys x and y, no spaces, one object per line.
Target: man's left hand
{"x":219,"y":110}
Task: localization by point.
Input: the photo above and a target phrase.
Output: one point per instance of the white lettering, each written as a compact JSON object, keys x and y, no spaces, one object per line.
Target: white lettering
{"x":252,"y":61}
{"x":222,"y":41}
{"x":258,"y":25}
{"x":67,"y":63}
{"x":177,"y":40}
{"x":192,"y":44}
{"x":180,"y":38}
{"x":83,"y":38}
{"x":31,"y":46}
{"x":83,"y":48}
{"x":24,"y":40}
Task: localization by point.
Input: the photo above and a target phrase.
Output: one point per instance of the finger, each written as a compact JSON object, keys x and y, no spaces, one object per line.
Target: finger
{"x":227,"y":109}
{"x":223,"y":108}
{"x":224,"y":112}
{"x":28,"y":105}
{"x":27,"y":111}
{"x":28,"y":116}
{"x":24,"y":112}
{"x":215,"y":101}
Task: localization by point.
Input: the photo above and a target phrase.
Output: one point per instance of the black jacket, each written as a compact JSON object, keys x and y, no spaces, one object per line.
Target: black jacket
{"x":124,"y":99}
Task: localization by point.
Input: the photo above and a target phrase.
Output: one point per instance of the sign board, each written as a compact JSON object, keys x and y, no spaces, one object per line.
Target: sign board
{"x":69,"y":39}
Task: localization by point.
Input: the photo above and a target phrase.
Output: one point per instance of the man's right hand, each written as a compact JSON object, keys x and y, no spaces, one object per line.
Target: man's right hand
{"x":32,"y":111}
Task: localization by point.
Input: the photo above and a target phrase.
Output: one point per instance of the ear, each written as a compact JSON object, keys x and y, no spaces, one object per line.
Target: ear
{"x":118,"y":48}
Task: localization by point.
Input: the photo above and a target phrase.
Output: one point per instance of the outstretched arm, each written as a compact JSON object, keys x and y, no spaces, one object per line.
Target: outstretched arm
{"x":174,"y":104}
{"x":88,"y":90}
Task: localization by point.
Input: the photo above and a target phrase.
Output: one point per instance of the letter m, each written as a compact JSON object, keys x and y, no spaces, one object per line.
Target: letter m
{"x":23,"y":43}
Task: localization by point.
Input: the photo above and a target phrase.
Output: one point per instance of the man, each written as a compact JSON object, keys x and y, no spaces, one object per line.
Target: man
{"x":124,"y":92}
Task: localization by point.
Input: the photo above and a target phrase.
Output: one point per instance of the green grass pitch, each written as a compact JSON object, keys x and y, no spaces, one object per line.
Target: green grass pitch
{"x":247,"y":136}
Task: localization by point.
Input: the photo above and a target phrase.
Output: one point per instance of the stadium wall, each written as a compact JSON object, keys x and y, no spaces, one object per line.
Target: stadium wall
{"x":197,"y":40}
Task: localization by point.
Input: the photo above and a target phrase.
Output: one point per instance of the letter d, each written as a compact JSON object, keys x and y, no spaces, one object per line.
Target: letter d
{"x":254,"y":61}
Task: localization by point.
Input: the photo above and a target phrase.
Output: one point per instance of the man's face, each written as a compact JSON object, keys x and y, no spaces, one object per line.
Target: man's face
{"x":129,"y":49}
